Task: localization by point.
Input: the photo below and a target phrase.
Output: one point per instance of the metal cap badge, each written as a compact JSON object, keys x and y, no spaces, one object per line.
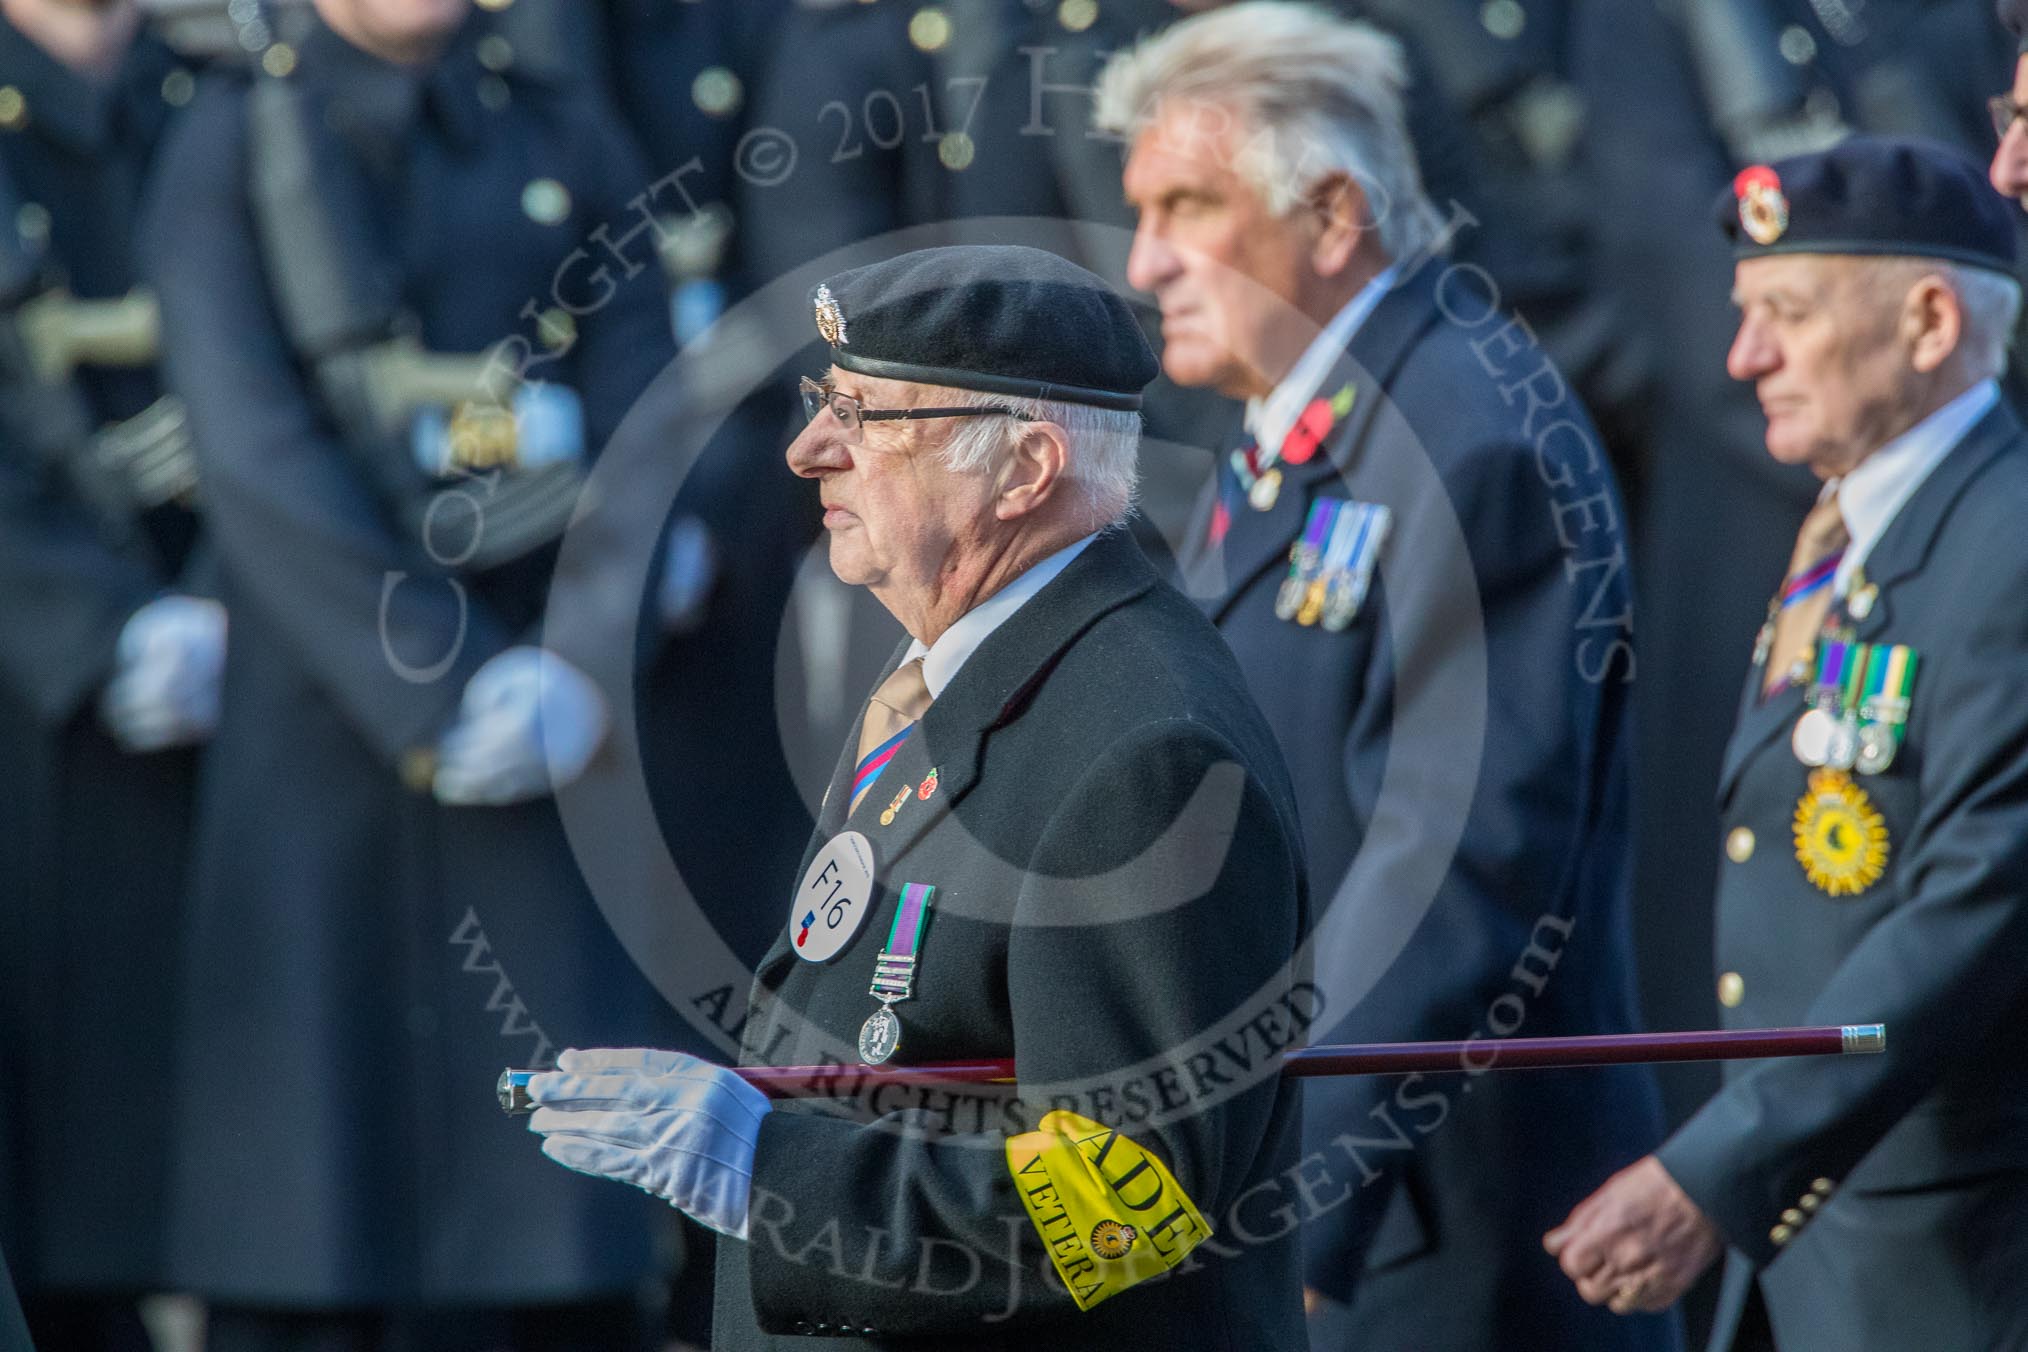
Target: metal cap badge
{"x":1763,"y":210}
{"x":830,"y":319}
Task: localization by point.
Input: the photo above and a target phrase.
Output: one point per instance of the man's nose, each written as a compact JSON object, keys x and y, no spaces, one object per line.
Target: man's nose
{"x":817,"y":450}
{"x":1152,"y":262}
{"x":1753,"y":353}
{"x":2009,"y":171}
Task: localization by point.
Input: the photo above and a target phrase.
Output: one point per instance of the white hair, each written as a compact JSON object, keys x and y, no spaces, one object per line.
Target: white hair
{"x":1989,"y":303}
{"x":1320,"y":95}
{"x":1105,"y":447}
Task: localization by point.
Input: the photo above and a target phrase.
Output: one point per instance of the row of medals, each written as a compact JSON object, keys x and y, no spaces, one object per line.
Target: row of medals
{"x":1863,"y":737}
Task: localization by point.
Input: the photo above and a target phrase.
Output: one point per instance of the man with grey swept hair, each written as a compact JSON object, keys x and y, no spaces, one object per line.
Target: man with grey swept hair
{"x":1416,"y":558}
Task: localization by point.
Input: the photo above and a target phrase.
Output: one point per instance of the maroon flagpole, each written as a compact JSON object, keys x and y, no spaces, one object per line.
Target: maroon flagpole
{"x":1474,"y":1056}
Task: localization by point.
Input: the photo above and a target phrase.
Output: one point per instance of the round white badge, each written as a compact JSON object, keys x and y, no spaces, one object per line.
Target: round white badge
{"x":833,"y":898}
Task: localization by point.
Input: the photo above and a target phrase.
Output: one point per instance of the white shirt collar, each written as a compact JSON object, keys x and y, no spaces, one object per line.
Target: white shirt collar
{"x":1871,"y":495}
{"x":1270,"y":419}
{"x":942,"y":659}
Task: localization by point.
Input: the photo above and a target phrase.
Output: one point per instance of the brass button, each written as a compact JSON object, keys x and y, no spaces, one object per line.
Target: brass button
{"x":1739,"y":844}
{"x":1793,"y":1217}
{"x":1731,"y":990}
{"x":1823,"y":1187}
{"x":1810,"y":1201}
{"x":955,"y":151}
{"x":545,"y":201}
{"x":1782,"y":1234}
{"x":717,"y":92}
{"x":13,"y":108}
{"x":419,"y":769}
{"x":930,"y":29}
{"x":1077,"y":15}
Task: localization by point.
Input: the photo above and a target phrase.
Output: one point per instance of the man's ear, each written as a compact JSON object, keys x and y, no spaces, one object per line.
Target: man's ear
{"x":1033,"y":470}
{"x":1341,"y":214}
{"x":1933,"y":322}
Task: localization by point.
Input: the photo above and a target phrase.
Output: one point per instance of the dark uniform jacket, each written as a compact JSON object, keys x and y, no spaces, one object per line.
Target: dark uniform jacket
{"x":93,"y":842}
{"x":1118,"y":874}
{"x":13,"y":1330}
{"x":362,"y":962}
{"x":1461,"y":768}
{"x":1883,"y":1200}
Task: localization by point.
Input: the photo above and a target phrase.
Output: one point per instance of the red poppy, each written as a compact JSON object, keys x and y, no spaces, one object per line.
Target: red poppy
{"x":1308,"y":433}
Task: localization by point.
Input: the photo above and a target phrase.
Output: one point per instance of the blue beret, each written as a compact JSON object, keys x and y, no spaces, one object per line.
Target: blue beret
{"x":1870,"y":195}
{"x":992,"y":317}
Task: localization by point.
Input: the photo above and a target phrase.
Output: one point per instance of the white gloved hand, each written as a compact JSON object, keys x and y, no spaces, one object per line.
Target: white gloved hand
{"x":164,"y":690}
{"x":529,"y":723}
{"x":667,"y":1123}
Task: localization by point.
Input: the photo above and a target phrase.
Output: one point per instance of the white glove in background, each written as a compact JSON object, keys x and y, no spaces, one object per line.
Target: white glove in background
{"x":529,"y":723}
{"x":689,"y":570}
{"x":168,"y":663}
{"x":667,"y":1123}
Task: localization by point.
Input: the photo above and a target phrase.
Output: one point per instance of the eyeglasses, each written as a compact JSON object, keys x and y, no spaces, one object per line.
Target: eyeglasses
{"x":818,"y":396}
{"x":2004,"y":110}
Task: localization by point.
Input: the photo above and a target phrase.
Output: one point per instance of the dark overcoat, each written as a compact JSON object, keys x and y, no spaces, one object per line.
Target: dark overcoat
{"x":93,"y":869}
{"x":1118,"y":878}
{"x":362,"y":961}
{"x":1461,"y":766}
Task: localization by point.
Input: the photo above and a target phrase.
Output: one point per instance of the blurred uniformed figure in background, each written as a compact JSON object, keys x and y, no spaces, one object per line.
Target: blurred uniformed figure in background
{"x":1417,"y":556}
{"x":397,"y":367}
{"x":2009,"y":110}
{"x":110,"y":651}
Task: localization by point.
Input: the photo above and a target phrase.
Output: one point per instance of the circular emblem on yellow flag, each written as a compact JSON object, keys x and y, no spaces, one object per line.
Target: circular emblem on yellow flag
{"x":1110,"y":1239}
{"x":1841,"y":838}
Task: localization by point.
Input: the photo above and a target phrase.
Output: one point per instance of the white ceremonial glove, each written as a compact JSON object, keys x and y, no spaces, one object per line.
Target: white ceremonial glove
{"x":665,"y":1122}
{"x":164,"y":690}
{"x":529,"y":723}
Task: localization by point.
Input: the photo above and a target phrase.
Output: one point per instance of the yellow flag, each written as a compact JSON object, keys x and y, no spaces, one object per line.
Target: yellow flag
{"x":1109,"y":1213}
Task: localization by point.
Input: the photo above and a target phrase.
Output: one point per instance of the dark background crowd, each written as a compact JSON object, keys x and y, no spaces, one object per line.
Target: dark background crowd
{"x":264,"y":926}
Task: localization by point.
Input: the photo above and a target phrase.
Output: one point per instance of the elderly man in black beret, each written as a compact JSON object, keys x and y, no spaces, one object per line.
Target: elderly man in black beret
{"x":1062,"y":835}
{"x":1874,"y":796}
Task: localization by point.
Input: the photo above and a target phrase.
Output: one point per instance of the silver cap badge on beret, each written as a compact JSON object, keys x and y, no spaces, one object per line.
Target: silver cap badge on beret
{"x":830,"y":319}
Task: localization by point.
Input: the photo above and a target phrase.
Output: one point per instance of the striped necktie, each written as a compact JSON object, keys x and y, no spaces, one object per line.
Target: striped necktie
{"x":891,"y":716}
{"x":1806,"y":596}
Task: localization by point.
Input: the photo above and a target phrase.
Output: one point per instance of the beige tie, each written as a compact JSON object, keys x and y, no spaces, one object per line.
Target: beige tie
{"x":895,"y":707}
{"x":1806,"y":595}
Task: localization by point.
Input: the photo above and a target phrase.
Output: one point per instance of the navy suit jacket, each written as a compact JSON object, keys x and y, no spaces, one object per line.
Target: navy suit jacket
{"x":1460,"y":761}
{"x":1880,"y":1196}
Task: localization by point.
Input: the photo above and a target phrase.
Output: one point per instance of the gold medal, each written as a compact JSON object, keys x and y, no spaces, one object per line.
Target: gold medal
{"x":887,"y":816}
{"x":1841,"y":838}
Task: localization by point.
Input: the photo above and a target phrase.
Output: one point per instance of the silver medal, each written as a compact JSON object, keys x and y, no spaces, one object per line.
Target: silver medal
{"x":879,"y":1036}
{"x":1877,"y":745}
{"x":1289,"y":598}
{"x":1812,"y":737}
{"x":1842,"y":749}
